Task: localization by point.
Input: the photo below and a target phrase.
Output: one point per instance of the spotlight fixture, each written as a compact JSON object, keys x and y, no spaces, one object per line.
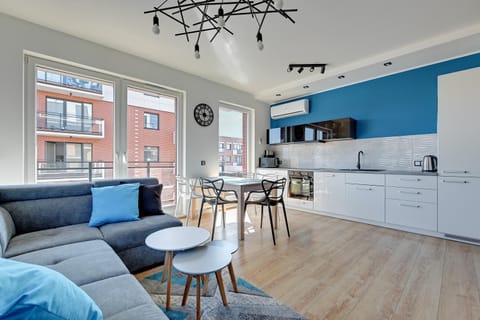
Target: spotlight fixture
{"x":306,"y":86}
{"x":278,"y":95}
{"x":311,"y":67}
{"x":214,"y":21}
{"x":387,"y":64}
{"x":341,"y":76}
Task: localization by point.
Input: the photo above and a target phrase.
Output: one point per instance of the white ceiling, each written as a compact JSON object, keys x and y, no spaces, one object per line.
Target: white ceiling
{"x":353,"y":37}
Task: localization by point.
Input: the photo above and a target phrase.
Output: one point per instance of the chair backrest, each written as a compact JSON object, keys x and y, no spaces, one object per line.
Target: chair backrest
{"x":211,"y":188}
{"x":183,"y":187}
{"x":274,"y":188}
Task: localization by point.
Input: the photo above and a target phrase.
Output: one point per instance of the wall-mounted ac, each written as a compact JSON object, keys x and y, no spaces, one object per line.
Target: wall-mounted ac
{"x":290,"y":109}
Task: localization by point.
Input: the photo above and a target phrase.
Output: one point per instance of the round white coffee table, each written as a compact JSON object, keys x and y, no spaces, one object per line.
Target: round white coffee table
{"x":175,"y":239}
{"x":232,"y":248}
{"x":202,"y":261}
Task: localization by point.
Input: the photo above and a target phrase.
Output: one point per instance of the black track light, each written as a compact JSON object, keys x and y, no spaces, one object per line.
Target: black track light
{"x":302,"y":66}
{"x":300,"y":70}
{"x":312,"y":68}
{"x":289,"y":69}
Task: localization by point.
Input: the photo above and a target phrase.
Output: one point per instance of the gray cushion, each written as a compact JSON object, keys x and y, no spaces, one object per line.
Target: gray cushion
{"x":7,"y":230}
{"x":39,"y":214}
{"x":50,"y":238}
{"x":117,"y":295}
{"x":130,"y":234}
{"x":82,"y":262}
{"x":115,"y":182}
{"x":141,"y":258}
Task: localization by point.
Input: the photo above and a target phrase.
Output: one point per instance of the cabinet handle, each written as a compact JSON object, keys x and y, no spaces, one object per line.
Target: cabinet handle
{"x":330,"y":175}
{"x":406,"y":179}
{"x":410,"y":205}
{"x":410,"y":192}
{"x":454,"y":181}
{"x":364,"y":189}
{"x":458,"y":171}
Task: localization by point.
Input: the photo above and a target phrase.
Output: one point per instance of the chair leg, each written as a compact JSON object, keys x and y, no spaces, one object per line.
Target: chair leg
{"x":188,"y":210}
{"x":261,"y":218}
{"x":286,"y":221}
{"x":271,"y":223}
{"x":223,"y":215}
{"x":200,"y":213}
{"x":214,"y":220}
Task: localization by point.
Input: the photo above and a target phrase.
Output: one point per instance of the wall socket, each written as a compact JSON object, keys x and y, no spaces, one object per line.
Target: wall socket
{"x":417,"y":163}
{"x":203,"y":162}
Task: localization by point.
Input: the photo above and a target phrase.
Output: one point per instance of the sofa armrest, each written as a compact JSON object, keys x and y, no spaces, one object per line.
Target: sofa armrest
{"x":7,"y":230}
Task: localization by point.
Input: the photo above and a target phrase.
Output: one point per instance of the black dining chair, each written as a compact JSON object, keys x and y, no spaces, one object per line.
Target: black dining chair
{"x":214,"y":194}
{"x":271,"y":195}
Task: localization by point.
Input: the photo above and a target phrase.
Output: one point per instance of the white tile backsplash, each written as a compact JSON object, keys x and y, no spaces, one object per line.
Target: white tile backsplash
{"x":392,"y":153}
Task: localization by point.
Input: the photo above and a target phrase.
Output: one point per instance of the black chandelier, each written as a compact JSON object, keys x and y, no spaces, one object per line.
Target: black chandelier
{"x":311,"y":66}
{"x":224,"y":10}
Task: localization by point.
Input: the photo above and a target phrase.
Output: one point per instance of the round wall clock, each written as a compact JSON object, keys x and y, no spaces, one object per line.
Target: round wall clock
{"x":203,"y":114}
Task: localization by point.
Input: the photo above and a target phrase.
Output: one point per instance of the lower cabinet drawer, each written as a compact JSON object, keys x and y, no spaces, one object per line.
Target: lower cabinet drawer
{"x":412,"y":214}
{"x":410,"y":194}
{"x":298,"y":203}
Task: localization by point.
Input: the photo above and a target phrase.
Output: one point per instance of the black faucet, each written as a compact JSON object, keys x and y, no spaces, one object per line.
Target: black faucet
{"x":358,"y":159}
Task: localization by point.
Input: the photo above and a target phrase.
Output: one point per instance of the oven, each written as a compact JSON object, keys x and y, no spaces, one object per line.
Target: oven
{"x":300,"y":185}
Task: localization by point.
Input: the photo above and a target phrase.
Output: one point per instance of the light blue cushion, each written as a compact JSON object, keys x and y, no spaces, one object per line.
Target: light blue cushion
{"x":114,"y":204}
{"x":29,"y":291}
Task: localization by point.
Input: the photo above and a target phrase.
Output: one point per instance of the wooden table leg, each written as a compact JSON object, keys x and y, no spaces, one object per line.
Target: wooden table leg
{"x":169,"y":279}
{"x":240,"y":214}
{"x":198,"y":298}
{"x":232,"y":277}
{"x":165,"y":267}
{"x":187,"y":289}
{"x":218,"y":274}
{"x":205,"y":284}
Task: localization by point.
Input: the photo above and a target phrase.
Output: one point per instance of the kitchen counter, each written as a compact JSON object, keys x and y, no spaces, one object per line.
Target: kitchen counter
{"x":366,"y":170}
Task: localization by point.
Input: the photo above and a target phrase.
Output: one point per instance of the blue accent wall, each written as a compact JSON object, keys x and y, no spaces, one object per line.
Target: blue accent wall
{"x":400,"y":104}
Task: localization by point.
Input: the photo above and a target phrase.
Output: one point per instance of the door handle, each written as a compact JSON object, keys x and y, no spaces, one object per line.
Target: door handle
{"x":410,"y":192}
{"x":458,"y":171}
{"x":455,"y":181}
{"x":410,"y":205}
{"x":364,"y":189}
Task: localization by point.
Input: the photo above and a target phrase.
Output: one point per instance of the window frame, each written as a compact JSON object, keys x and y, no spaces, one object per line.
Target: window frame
{"x":151,"y":114}
{"x":153,"y":147}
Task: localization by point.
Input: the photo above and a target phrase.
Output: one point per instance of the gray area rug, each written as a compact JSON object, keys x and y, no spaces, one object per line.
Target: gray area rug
{"x":250,"y":303}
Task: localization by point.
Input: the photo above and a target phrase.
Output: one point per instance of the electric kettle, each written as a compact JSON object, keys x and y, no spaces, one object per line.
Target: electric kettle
{"x":429,"y":163}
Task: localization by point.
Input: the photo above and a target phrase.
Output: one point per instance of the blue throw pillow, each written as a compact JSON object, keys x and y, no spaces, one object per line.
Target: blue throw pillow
{"x":29,"y":291}
{"x":114,"y":204}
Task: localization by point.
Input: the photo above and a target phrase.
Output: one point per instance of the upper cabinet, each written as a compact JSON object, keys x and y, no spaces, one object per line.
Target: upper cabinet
{"x":458,"y":123}
{"x":323,"y":131}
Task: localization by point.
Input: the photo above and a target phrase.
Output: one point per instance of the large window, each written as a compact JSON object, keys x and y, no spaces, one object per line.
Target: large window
{"x":150,"y":154}
{"x":150,"y":120}
{"x":233,"y":134}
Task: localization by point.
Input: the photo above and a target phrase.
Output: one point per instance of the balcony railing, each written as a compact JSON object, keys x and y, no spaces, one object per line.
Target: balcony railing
{"x":165,"y":172}
{"x":65,"y":123}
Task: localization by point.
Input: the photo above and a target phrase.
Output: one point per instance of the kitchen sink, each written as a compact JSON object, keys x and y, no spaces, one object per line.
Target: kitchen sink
{"x":362,"y":170}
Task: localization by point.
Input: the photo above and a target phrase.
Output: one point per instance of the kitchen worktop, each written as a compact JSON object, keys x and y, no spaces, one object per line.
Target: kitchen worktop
{"x":366,"y":170}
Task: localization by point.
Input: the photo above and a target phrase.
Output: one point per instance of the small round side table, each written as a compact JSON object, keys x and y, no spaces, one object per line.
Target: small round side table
{"x":232,"y":248}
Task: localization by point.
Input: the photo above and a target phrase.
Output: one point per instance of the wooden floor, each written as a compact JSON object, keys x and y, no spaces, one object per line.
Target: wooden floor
{"x":336,"y":269}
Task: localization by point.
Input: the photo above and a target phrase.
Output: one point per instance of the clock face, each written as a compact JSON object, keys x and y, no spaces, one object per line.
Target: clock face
{"x":203,"y":114}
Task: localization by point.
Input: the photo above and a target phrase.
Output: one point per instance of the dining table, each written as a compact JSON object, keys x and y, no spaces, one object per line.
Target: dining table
{"x":241,"y":186}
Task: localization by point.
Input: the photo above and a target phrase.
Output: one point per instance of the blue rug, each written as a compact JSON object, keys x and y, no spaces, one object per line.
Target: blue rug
{"x":250,"y":303}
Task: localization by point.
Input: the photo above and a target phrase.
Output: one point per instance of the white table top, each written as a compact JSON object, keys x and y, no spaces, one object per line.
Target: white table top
{"x":177,"y":238}
{"x":227,"y":245}
{"x":202,"y":260}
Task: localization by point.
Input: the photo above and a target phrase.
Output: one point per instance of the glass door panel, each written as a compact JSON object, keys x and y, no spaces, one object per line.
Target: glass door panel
{"x":151,"y":134}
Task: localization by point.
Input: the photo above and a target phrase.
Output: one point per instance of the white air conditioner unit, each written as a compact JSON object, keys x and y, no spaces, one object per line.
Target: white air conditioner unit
{"x":290,"y":109}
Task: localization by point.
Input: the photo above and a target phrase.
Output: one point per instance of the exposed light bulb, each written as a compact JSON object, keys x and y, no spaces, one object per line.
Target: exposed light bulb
{"x":260,"y":41}
{"x":156,"y":23}
{"x":197,"y":51}
{"x":221,"y":18}
{"x":279,"y":4}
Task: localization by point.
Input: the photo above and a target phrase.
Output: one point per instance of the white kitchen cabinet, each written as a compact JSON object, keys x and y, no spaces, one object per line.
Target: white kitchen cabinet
{"x":411,"y":201}
{"x":329,"y":192}
{"x":458,"y":206}
{"x":458,"y":129}
{"x":365,"y":201}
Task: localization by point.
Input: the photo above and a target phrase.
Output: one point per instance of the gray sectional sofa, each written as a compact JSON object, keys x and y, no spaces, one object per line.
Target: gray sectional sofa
{"x":48,"y":225}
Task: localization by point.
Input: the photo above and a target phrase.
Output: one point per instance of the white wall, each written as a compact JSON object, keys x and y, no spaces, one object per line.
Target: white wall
{"x":17,"y":36}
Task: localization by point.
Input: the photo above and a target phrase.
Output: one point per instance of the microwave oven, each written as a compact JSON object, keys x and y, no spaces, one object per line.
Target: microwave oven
{"x":268,"y":162}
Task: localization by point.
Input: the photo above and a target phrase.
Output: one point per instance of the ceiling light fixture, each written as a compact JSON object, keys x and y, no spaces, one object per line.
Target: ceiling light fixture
{"x":181,"y":10}
{"x":278,"y":95}
{"x":312,"y":67}
{"x":341,"y":76}
{"x":306,"y":86}
{"x":387,"y":64}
